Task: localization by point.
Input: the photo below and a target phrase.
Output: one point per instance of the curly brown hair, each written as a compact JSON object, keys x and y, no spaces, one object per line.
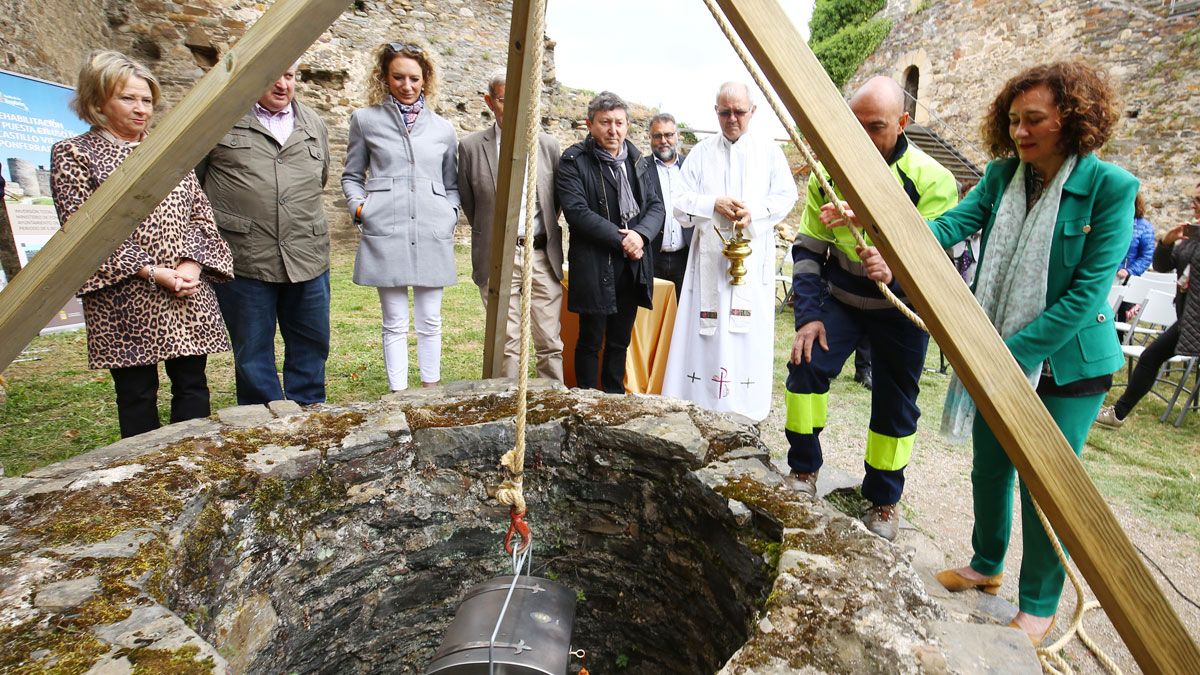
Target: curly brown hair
{"x":377,"y":90}
{"x":1085,"y":99}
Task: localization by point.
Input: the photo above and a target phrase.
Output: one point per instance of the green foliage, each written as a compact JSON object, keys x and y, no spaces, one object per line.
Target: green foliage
{"x":845,"y":51}
{"x":831,"y":16}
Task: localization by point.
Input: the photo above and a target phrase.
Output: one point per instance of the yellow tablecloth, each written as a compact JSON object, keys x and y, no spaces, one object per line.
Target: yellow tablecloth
{"x":646,"y":361}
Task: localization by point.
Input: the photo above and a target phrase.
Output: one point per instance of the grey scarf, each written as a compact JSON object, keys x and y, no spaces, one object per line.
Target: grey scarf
{"x":629,"y":206}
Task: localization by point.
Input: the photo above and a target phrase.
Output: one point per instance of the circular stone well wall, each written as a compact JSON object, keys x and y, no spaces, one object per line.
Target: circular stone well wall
{"x":342,"y":539}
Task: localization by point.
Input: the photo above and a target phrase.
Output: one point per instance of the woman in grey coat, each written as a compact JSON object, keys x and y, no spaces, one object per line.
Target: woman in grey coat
{"x":401,"y":185}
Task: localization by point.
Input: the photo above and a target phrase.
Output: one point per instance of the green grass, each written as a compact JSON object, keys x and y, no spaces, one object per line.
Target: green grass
{"x":57,"y":408}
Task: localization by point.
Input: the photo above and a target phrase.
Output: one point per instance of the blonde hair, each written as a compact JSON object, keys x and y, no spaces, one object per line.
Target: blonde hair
{"x":378,"y":91}
{"x":102,"y":74}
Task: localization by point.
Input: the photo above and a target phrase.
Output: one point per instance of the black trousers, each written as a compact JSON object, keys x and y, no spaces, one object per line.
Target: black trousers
{"x":612,"y":332}
{"x":137,"y":393}
{"x":1141,"y":381}
{"x":671,"y":265}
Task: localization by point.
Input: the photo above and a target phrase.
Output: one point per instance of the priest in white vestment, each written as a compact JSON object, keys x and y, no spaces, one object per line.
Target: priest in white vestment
{"x":723,"y":344}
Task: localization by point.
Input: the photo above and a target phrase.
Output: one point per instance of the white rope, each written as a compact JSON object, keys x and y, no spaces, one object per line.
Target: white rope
{"x":511,"y":491}
{"x":1051,"y":660}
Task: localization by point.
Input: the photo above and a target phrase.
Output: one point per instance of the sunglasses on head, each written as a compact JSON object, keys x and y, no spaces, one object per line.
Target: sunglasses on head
{"x":397,"y":47}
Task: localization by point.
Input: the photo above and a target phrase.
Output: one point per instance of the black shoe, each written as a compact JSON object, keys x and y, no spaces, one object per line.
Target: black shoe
{"x":863,"y":377}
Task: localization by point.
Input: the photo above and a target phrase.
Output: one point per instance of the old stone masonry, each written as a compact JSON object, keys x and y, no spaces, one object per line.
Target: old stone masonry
{"x":341,"y":539}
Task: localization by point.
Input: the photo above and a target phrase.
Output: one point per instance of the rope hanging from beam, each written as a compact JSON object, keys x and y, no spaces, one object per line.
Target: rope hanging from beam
{"x":1050,"y":658}
{"x":511,"y":491}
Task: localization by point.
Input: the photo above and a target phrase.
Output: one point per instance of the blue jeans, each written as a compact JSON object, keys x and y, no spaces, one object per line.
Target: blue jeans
{"x":251,"y":309}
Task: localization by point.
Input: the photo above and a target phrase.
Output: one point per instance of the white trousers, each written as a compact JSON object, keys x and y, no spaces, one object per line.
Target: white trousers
{"x":427,"y":315}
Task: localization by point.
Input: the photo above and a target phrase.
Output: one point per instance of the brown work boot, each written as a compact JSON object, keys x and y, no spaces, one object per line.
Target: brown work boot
{"x":883,"y":520}
{"x":804,"y":483}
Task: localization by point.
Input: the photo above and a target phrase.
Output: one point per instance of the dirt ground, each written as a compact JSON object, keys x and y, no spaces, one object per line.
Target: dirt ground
{"x":937,"y":501}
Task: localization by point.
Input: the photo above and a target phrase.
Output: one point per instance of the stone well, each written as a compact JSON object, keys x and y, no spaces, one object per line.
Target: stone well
{"x":341,"y":539}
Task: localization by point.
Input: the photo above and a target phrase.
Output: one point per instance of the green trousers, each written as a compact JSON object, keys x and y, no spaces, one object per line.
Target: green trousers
{"x":992,"y":473}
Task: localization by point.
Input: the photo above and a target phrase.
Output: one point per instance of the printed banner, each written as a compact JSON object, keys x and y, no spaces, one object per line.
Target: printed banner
{"x":34,"y":114}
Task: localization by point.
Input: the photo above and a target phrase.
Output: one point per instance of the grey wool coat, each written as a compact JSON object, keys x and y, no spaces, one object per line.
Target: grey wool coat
{"x":408,"y":186}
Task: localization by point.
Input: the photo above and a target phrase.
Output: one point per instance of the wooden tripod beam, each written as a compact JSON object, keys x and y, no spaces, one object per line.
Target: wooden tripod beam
{"x":218,"y":100}
{"x":511,"y":163}
{"x":1135,"y":603}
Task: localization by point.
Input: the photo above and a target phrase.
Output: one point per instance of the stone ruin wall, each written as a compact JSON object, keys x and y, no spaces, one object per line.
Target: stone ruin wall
{"x":179,"y":40}
{"x":966,"y":49}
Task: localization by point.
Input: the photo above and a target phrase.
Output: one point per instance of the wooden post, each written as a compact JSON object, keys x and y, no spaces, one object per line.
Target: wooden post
{"x":509,"y":185}
{"x":1135,"y":603}
{"x":218,"y":100}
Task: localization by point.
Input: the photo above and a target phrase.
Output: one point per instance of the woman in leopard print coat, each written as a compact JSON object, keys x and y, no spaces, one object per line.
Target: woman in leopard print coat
{"x":150,"y":301}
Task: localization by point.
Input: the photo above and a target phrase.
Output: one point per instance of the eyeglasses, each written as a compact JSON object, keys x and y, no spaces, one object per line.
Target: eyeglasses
{"x":662,"y":136}
{"x":734,"y":113}
{"x":397,"y":47}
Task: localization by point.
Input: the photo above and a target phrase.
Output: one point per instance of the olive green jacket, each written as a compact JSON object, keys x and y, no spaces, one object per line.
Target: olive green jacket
{"x":1091,"y":237}
{"x":267,"y":199}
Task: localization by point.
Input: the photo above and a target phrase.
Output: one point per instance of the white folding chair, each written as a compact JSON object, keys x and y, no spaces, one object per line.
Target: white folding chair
{"x":1151,"y":275}
{"x":1159,"y":308}
{"x":1135,"y":292}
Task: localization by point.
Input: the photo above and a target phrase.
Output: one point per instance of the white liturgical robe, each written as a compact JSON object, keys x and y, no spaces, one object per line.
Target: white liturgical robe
{"x":723,"y":343}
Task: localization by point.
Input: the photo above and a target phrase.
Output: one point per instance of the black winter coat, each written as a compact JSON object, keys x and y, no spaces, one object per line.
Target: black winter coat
{"x":1176,"y":258}
{"x":593,"y":220}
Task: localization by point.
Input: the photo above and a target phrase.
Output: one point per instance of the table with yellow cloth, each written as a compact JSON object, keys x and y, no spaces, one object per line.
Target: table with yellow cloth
{"x":646,"y":361}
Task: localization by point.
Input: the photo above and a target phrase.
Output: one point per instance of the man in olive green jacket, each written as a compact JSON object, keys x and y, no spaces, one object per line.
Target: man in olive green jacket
{"x":265,"y":180}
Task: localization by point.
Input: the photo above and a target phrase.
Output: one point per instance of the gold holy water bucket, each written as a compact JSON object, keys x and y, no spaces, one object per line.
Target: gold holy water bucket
{"x":736,"y":250}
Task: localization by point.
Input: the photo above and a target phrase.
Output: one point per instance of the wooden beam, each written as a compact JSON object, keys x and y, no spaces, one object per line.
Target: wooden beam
{"x":1135,"y":603}
{"x":522,"y":60}
{"x":145,"y":178}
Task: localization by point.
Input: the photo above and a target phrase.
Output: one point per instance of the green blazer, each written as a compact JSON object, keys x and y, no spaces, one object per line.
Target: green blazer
{"x":1091,"y":237}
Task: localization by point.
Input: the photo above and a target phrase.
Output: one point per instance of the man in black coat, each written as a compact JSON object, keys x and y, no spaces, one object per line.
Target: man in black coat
{"x":610,"y":197}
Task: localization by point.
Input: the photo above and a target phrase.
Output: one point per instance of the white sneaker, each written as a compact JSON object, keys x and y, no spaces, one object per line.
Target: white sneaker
{"x":1107,"y":417}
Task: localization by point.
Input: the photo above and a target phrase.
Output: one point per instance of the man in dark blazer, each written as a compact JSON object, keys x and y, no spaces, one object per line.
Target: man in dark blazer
{"x":610,"y":196}
{"x":670,"y":248}
{"x":477,"y":173}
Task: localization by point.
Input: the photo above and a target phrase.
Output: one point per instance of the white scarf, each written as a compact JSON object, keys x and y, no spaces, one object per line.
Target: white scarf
{"x":1011,"y":286}
{"x":712,"y":263}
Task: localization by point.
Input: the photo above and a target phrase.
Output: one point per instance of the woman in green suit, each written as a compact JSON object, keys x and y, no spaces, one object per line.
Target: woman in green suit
{"x":1055,"y":228}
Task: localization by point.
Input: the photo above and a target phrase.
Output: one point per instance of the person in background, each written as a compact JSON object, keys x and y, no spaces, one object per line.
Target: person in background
{"x":722,"y":345}
{"x":1055,"y":222}
{"x":151,"y":301}
{"x":610,"y":196}
{"x":1178,"y":252}
{"x":670,"y":248}
{"x":265,"y":179}
{"x":477,"y":174}
{"x":401,"y":186}
{"x":1141,"y":252}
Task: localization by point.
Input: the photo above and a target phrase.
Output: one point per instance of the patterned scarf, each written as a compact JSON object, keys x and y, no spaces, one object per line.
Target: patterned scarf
{"x":409,"y":112}
{"x":629,"y":205}
{"x":1011,"y":279}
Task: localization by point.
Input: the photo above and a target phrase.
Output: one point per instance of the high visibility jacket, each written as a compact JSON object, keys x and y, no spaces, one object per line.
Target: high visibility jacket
{"x":824,"y":263}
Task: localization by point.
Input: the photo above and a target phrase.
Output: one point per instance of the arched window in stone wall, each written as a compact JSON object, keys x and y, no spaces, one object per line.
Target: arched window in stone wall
{"x":912,"y":83}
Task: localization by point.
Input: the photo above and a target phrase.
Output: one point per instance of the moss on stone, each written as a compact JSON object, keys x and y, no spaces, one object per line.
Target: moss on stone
{"x":66,"y":652}
{"x":288,"y":509}
{"x":777,"y":503}
{"x":195,"y":551}
{"x":181,"y":661}
{"x":92,"y":515}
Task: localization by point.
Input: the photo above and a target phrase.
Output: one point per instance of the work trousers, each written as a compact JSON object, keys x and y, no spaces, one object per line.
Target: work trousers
{"x":137,"y":393}
{"x":251,"y":309}
{"x":992,"y":473}
{"x":545,"y":308}
{"x":610,"y":332}
{"x":1145,"y":373}
{"x":898,"y":350}
{"x":427,"y":317}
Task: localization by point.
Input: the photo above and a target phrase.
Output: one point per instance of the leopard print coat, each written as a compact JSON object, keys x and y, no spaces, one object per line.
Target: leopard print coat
{"x":131,"y":321}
